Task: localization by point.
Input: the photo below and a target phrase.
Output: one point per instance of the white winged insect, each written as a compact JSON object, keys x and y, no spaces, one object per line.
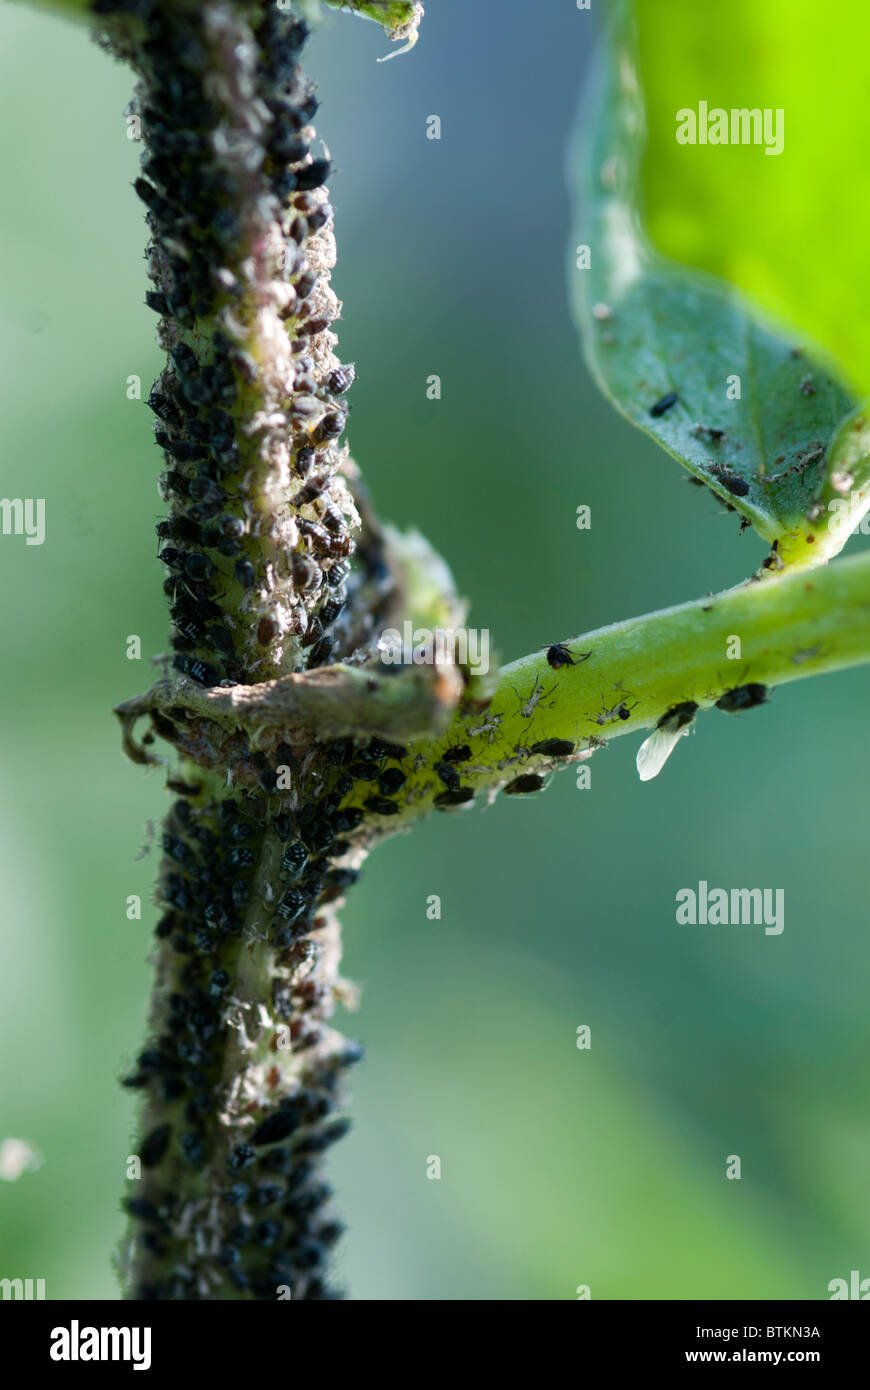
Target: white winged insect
{"x":655,"y":750}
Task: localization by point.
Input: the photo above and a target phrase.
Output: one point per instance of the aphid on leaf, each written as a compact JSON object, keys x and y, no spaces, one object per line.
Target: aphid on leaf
{"x":553,"y":748}
{"x":655,"y":750}
{"x":743,"y":697}
{"x":737,"y":486}
{"x":448,"y":775}
{"x":393,"y":780}
{"x":620,"y":711}
{"x":664,"y":404}
{"x":446,"y":801}
{"x":396,"y":750}
{"x":558,"y":655}
{"x":523,"y":786}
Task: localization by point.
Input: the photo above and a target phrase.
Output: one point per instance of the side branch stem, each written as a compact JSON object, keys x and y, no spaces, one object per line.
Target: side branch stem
{"x":626,"y":676}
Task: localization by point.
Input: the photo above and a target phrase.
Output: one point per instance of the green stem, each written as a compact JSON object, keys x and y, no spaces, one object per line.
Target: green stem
{"x":802,"y":624}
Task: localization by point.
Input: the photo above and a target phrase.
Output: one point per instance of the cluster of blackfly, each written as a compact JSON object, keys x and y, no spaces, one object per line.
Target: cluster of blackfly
{"x":272,"y":1229}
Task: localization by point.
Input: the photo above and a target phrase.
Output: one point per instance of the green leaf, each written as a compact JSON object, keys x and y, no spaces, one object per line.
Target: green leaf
{"x":400,"y":18}
{"x":756,"y":410}
{"x":788,"y":229}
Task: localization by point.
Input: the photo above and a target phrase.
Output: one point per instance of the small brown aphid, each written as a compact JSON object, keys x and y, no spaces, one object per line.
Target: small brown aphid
{"x":315,"y":534}
{"x":306,"y":574}
{"x":445,"y":801}
{"x":305,"y":460}
{"x":312,"y":327}
{"x":310,"y":491}
{"x":523,"y":786}
{"x":333,"y":520}
{"x":341,"y":379}
{"x":330,"y":427}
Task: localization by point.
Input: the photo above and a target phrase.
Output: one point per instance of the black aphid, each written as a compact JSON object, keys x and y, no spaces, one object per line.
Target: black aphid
{"x":553,"y":747}
{"x":199,"y":671}
{"x":244,"y":572}
{"x":522,"y":786}
{"x":445,"y":801}
{"x":559,"y":655}
{"x":743,"y":697}
{"x":295,"y":859}
{"x":391,"y":781}
{"x":447,"y":774}
{"x":292,"y":904}
{"x":664,"y":404}
{"x":732,"y":482}
{"x":154,"y":1146}
{"x":276,"y":1127}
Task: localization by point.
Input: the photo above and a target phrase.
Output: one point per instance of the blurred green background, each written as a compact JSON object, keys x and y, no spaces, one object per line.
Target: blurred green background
{"x":559,"y":1167}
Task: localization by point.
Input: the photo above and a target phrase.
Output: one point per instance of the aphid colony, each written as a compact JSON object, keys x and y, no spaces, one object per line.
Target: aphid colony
{"x":250,"y":404}
{"x":272,"y":1223}
{"x":234,"y":411}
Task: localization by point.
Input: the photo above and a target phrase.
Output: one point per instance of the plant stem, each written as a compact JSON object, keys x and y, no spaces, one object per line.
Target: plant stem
{"x":241,"y":1071}
{"x":790,"y":627}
